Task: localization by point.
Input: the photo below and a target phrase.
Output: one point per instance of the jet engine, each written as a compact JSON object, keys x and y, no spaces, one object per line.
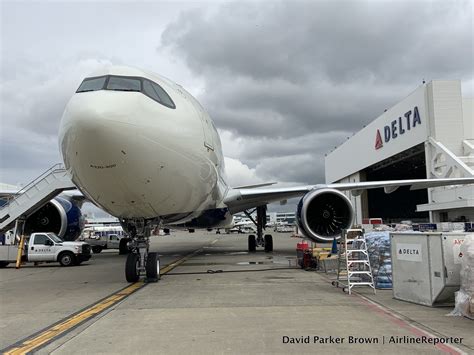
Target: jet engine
{"x":323,"y":213}
{"x":60,"y":216}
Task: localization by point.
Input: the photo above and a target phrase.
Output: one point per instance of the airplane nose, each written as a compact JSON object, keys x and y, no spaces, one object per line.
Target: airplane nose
{"x":95,"y":131}
{"x":98,"y":142}
{"x":127,"y":154}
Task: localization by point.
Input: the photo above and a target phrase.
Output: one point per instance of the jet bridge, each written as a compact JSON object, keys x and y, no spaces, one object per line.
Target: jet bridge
{"x":35,"y":195}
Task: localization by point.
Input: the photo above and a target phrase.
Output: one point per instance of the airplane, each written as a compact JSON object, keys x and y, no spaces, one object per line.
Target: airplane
{"x":143,"y":149}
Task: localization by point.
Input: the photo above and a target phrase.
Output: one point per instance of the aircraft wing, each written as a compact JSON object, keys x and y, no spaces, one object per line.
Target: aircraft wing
{"x":76,"y":196}
{"x":244,"y":198}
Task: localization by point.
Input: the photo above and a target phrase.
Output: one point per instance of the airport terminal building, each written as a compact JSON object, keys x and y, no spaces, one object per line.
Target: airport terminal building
{"x":429,"y":134}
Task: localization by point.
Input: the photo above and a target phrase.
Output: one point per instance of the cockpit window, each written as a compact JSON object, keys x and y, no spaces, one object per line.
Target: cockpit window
{"x":92,"y":84}
{"x":164,"y":98}
{"x":124,"y":84}
{"x":157,"y":93}
{"x":149,"y":91}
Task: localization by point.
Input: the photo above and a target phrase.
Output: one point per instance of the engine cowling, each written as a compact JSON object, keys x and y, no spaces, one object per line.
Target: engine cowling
{"x":59,"y":216}
{"x":323,"y":213}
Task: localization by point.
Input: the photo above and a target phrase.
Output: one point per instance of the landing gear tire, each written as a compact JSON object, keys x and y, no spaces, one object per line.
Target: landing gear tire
{"x":252,"y":243}
{"x":152,"y":267}
{"x":132,"y":273}
{"x":268,"y":243}
{"x":96,"y":249}
{"x":123,"y":246}
{"x":67,"y":259}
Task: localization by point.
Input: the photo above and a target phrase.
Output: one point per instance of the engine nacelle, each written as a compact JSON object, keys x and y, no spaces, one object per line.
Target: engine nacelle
{"x":59,"y":216}
{"x":323,"y":213}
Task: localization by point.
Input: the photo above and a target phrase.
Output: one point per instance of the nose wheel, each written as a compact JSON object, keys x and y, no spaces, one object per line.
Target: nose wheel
{"x":152,"y":268}
{"x":140,"y":261}
{"x":132,"y":268}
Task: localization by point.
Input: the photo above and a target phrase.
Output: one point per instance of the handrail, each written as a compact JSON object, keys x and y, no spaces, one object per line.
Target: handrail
{"x":55,"y":167}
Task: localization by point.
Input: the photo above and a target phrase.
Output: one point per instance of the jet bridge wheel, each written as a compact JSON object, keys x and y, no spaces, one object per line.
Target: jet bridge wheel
{"x":152,"y":267}
{"x":268,"y":243}
{"x":132,"y":273}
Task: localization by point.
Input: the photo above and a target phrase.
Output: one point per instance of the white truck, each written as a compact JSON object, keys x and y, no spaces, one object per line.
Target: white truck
{"x":110,"y":241}
{"x":46,"y":247}
{"x":105,"y":237}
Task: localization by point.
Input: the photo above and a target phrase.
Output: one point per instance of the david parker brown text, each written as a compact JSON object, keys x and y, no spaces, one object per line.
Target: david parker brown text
{"x":391,"y":339}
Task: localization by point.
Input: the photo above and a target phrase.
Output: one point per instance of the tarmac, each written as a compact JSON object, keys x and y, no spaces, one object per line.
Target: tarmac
{"x":214,"y":298}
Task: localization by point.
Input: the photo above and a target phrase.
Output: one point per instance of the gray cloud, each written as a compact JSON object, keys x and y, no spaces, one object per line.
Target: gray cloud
{"x":47,"y":48}
{"x":285,"y":82}
{"x":289,"y":81}
{"x":340,"y":41}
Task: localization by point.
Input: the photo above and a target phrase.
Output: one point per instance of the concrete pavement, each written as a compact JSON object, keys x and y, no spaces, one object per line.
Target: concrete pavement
{"x":225,"y":300}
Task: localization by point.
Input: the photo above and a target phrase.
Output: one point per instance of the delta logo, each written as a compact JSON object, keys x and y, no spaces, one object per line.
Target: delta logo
{"x":406,"y":251}
{"x":411,"y":119}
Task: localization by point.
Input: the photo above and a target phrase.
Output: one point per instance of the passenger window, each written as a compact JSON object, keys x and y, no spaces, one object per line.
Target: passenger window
{"x":92,"y":84}
{"x":41,"y":239}
{"x":123,"y":84}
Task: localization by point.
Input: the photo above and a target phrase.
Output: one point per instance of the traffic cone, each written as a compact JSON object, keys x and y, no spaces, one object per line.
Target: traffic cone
{"x":334,"y":246}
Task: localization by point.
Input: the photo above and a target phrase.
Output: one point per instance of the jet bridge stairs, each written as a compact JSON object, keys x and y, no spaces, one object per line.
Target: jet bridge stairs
{"x":35,"y":195}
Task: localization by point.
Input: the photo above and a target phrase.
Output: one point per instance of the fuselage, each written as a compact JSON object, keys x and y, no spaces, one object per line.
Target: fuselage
{"x":138,"y":154}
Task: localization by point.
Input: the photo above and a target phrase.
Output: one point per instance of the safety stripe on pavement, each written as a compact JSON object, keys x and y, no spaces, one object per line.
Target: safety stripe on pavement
{"x":64,"y":326}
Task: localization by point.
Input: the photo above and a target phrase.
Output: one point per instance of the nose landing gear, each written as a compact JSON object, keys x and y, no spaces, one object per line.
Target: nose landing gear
{"x":140,"y":261}
{"x":261,"y":240}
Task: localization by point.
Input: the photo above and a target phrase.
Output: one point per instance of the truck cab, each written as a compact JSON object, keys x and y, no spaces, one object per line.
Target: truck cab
{"x":49,"y":247}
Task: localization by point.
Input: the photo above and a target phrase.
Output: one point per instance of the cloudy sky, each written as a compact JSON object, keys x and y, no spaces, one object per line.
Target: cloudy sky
{"x":284,"y":81}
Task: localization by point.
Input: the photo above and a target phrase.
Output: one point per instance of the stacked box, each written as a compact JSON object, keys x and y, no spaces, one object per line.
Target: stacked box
{"x":378,"y":247}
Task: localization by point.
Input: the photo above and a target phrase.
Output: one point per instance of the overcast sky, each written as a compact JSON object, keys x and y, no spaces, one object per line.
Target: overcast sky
{"x":284,"y":81}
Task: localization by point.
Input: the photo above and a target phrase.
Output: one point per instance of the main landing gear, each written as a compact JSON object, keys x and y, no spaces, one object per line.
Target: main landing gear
{"x":260,"y":240}
{"x":140,"y":261}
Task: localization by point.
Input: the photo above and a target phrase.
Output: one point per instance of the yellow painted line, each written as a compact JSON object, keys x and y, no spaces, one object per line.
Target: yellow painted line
{"x":171,"y":266}
{"x":55,"y":331}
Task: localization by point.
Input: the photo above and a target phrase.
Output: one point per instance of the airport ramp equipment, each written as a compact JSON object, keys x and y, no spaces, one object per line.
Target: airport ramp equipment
{"x":35,"y":195}
{"x":354,"y":269}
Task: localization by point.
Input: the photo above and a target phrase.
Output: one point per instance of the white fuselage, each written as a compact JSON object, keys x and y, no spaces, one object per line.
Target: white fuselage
{"x":137,"y":158}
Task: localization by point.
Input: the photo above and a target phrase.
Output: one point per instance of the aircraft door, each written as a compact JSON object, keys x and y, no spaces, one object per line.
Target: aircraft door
{"x":206,"y":125}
